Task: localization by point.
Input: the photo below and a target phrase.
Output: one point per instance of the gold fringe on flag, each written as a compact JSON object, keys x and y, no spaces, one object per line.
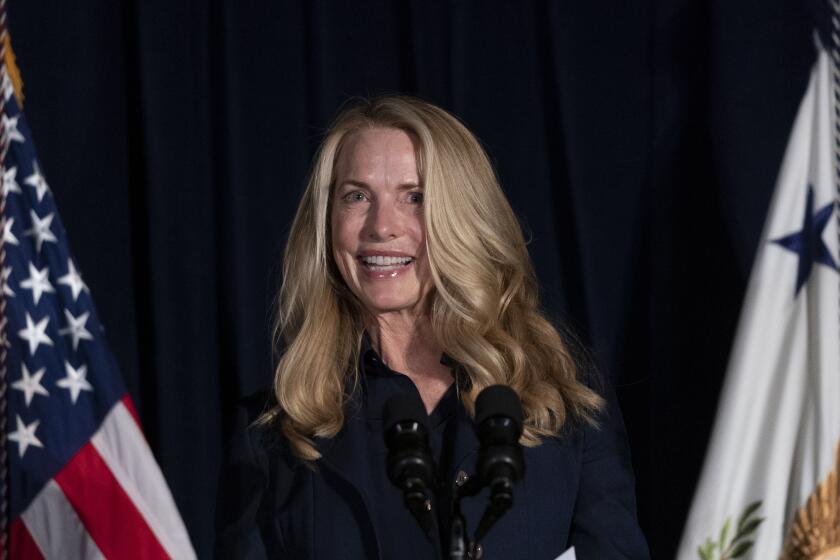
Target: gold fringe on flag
{"x":12,"y":69}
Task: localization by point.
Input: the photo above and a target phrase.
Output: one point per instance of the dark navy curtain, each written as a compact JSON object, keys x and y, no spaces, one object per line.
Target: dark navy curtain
{"x":638,"y":142}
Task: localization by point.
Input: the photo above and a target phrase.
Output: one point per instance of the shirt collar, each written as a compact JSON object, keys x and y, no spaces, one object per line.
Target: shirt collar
{"x":379,"y":382}
{"x":369,"y":353}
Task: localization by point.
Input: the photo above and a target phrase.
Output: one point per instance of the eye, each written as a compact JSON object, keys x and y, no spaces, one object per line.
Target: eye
{"x":355,"y":196}
{"x":415,"y":197}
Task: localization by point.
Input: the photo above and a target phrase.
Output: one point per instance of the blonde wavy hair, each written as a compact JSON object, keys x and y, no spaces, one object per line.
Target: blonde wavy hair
{"x":484,"y":307}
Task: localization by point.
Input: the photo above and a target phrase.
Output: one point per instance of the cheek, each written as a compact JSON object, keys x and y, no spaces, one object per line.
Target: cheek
{"x":346,"y":229}
{"x":335,"y":228}
{"x":339,"y":240}
{"x":346,"y":270}
{"x":423,"y":271}
{"x":416,"y":228}
{"x":342,"y":237}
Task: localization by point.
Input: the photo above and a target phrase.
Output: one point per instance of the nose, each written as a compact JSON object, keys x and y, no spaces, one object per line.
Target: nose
{"x":384,"y":222}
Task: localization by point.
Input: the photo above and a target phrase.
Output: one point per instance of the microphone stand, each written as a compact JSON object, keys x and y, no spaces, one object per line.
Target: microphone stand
{"x":460,"y":547}
{"x":501,"y":499}
{"x":457,"y":533}
{"x":414,"y":496}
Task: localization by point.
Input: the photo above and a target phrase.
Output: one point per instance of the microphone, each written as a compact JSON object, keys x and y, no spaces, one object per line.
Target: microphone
{"x":500,"y":463}
{"x":409,"y":463}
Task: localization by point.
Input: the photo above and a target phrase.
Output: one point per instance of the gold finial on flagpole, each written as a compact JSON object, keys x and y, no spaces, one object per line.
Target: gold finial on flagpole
{"x":12,"y":69}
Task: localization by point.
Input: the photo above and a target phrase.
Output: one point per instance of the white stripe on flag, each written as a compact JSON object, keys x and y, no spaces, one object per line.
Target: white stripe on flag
{"x":56,"y":528}
{"x":124,"y":449}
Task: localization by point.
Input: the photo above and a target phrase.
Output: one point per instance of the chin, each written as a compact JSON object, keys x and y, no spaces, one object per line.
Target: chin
{"x":389,"y":304}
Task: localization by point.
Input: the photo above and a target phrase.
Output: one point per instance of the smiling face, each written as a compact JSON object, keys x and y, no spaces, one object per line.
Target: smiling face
{"x":378,"y":236}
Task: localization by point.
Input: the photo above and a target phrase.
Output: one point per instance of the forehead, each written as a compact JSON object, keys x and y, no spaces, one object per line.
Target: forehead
{"x":377,"y":152}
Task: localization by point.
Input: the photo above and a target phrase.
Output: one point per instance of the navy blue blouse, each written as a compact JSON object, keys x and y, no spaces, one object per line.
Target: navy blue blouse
{"x":578,"y":488}
{"x":380,"y":383}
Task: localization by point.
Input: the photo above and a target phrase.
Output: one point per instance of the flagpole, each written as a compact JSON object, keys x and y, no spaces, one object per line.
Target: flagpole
{"x":834,"y":7}
{"x":4,"y":470}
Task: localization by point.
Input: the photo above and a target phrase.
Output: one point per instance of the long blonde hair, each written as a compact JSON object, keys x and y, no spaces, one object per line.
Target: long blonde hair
{"x":484,"y":306}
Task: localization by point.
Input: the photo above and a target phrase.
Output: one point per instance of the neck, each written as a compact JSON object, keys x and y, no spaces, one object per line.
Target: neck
{"x":408,"y":345}
{"x":401,"y":340}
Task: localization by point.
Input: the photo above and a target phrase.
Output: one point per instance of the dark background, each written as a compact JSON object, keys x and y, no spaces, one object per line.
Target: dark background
{"x":638,"y":142}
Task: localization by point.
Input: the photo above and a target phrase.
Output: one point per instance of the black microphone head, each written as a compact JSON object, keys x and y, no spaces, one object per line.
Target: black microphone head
{"x":498,"y":400}
{"x":409,"y":463}
{"x":405,"y":406}
{"x":498,"y":425}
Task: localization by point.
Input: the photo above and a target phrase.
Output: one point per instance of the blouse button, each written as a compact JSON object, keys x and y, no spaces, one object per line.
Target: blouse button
{"x":461,"y":478}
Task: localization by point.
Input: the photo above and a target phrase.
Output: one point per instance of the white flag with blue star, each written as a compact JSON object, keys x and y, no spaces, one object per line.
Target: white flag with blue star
{"x":769,"y":486}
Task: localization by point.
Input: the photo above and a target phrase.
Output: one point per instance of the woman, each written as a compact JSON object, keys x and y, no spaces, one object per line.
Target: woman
{"x":406,"y":270}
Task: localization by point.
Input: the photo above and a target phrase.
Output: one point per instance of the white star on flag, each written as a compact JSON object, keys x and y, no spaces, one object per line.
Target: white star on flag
{"x":10,"y":184}
{"x":37,"y":181}
{"x":11,"y":126}
{"x":8,"y":236}
{"x":38,"y":282}
{"x":4,"y":280}
{"x":6,"y":85}
{"x":41,"y":229}
{"x":35,"y":334}
{"x":73,"y":280}
{"x":25,"y":435}
{"x":30,"y":383}
{"x":75,"y":382}
{"x":76,"y":328}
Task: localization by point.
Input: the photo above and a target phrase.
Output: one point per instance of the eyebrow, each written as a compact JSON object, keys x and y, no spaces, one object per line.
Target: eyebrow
{"x":363,"y":185}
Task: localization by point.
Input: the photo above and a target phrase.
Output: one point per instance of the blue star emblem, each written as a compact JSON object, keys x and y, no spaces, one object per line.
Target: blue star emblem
{"x":808,"y":243}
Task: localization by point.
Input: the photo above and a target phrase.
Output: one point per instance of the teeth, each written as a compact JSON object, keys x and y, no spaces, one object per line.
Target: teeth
{"x":379,"y":260}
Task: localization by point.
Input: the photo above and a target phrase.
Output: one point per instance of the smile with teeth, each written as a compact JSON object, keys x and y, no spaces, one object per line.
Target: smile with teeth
{"x":380,"y":263}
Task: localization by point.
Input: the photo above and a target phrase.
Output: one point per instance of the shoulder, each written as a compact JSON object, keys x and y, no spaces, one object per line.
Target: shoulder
{"x":604,"y":523}
{"x":255,"y":479}
{"x":257,"y":444}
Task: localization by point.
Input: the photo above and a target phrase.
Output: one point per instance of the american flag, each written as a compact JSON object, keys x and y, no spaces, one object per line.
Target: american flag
{"x":82,"y":481}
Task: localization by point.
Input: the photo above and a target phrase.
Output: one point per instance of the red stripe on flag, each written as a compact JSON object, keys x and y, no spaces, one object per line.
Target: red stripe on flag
{"x":22,"y":546}
{"x":129,"y":404}
{"x":106,"y":511}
